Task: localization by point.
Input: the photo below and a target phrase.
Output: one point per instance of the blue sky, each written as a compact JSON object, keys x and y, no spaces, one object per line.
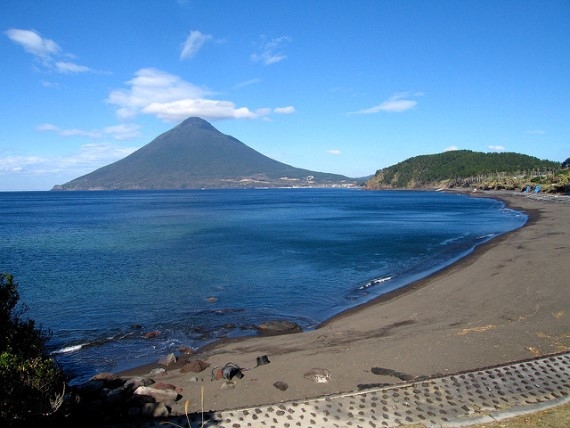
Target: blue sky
{"x":337,"y":86}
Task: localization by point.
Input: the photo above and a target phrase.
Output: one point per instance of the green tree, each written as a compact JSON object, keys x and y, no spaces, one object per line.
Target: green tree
{"x":31,"y":384}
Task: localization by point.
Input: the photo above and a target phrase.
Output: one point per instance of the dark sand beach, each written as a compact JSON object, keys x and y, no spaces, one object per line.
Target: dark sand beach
{"x":507,"y":301}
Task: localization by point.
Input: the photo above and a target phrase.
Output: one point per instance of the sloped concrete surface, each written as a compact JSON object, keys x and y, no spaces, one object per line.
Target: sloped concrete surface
{"x":464,"y":399}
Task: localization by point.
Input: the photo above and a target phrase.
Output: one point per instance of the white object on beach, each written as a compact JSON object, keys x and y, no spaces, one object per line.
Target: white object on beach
{"x":318,"y":375}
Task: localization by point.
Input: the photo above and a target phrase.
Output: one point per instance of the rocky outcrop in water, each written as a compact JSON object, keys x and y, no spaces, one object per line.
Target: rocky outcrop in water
{"x":278,"y":327}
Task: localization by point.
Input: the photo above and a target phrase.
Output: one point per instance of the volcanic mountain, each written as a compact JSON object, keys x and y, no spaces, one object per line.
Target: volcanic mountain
{"x":195,"y":155}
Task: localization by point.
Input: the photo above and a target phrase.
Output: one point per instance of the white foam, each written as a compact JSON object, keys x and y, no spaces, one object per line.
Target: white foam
{"x":375,"y":282}
{"x":69,"y":349}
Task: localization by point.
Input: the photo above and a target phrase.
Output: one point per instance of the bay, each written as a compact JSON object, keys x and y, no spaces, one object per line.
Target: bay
{"x":101,"y":269}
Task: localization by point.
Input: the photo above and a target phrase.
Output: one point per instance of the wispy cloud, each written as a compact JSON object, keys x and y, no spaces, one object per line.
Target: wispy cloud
{"x":335,"y":152}
{"x":496,"y":148}
{"x":171,"y":98}
{"x":48,"y":127}
{"x":89,"y":157}
{"x":48,"y":84}
{"x":123,"y":131}
{"x":284,"y":110}
{"x":193,"y":44}
{"x":47,"y":52}
{"x":70,"y":67}
{"x":397,"y":103}
{"x":451,"y":149}
{"x":270,"y":52}
{"x":247,"y":83}
{"x":535,"y":132}
{"x":33,"y":43}
{"x":118,"y":132}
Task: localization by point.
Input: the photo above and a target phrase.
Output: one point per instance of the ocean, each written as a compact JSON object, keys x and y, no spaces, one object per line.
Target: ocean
{"x":100,"y":270}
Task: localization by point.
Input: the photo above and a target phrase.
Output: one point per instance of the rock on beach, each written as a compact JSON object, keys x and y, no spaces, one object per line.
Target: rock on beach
{"x":159,"y":395}
{"x":275,"y":327}
{"x":318,"y":375}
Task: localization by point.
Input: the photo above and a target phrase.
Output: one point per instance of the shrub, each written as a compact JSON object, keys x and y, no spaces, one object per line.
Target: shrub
{"x":31,"y":384}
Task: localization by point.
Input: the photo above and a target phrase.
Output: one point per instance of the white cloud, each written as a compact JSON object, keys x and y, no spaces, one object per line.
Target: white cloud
{"x":47,"y":84}
{"x":242,"y":85}
{"x":395,"y":104}
{"x":70,"y":67}
{"x":535,"y":132}
{"x":47,"y":127}
{"x":97,"y":154}
{"x":152,"y":86}
{"x":46,"y":51}
{"x":88,"y":158}
{"x":284,"y":110}
{"x":123,"y":131}
{"x":118,"y":132}
{"x":212,"y":109}
{"x":14,"y":164}
{"x":271,"y":52}
{"x":193,"y":43}
{"x":170,"y":98}
{"x":496,"y":148}
{"x":33,"y":43}
{"x":451,"y":149}
{"x":335,"y":152}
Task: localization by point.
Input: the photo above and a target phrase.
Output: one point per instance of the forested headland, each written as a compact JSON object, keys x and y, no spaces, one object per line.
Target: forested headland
{"x":468,"y":169}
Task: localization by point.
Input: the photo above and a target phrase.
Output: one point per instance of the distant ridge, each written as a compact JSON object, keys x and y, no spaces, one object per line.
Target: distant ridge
{"x":195,"y":155}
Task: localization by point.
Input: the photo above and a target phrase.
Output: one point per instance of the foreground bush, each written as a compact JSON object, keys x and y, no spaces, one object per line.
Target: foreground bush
{"x":32,"y":386}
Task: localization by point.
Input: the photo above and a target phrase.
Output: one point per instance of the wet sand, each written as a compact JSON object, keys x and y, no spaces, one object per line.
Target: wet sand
{"x":507,"y":301}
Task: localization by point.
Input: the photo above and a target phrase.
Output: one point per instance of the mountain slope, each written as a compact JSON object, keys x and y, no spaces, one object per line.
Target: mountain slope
{"x":196,"y":155}
{"x":461,"y":167}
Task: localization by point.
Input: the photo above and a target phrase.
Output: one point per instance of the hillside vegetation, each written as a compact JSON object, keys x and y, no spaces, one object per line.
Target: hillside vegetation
{"x":466,"y":169}
{"x":33,"y":386}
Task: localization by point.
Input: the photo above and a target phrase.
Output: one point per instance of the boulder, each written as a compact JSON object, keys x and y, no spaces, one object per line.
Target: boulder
{"x":105,"y":377}
{"x":282,"y":386}
{"x":90,"y":389}
{"x":116,"y":395}
{"x":134,"y":382}
{"x":186,"y":350}
{"x":140,"y":400}
{"x":164,"y":386}
{"x":389,"y":372}
{"x":278,"y":327}
{"x":109,"y":380}
{"x":382,"y":371}
{"x":155,"y":410}
{"x":195,"y":366}
{"x":159,"y":395}
{"x":158,"y":371}
{"x":168,"y":360}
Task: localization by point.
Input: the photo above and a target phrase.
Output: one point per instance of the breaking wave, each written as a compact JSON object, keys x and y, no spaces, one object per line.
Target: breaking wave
{"x":374,"y":282}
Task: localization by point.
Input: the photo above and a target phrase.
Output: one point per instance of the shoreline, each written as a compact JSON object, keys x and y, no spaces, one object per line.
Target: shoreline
{"x":453,"y":320}
{"x":532,"y":214}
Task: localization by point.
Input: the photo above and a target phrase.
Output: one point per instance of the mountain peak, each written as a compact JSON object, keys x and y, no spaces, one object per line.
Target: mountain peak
{"x":196,"y":122}
{"x":195,"y":155}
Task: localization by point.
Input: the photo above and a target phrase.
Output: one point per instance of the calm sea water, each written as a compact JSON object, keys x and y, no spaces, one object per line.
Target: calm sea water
{"x":101,"y":269}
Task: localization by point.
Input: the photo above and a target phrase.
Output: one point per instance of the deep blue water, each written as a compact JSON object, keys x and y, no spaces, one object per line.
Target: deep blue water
{"x":200,"y":265}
